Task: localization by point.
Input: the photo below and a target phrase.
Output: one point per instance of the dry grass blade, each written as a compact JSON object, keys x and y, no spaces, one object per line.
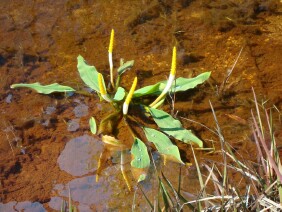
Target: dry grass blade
{"x":172,"y":188}
{"x":260,"y":155}
{"x":222,"y":86}
{"x":269,"y":204}
{"x":222,"y":142}
{"x":209,"y":176}
{"x":70,"y":204}
{"x":196,"y":122}
{"x":274,"y":152}
{"x":217,"y":185}
{"x":147,"y":199}
{"x":228,"y":197}
{"x":179,"y":181}
{"x":241,"y":165}
{"x":168,"y":203}
{"x":258,"y":135}
{"x":258,"y":112}
{"x":266,"y":191}
{"x":200,"y":177}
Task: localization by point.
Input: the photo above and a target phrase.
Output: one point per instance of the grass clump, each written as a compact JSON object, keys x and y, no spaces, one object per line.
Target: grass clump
{"x":262,"y":189}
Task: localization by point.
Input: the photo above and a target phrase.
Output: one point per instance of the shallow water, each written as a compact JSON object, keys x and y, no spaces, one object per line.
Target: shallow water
{"x":46,"y":146}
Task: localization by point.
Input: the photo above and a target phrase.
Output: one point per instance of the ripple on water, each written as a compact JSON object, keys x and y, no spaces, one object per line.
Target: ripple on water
{"x":80,"y":155}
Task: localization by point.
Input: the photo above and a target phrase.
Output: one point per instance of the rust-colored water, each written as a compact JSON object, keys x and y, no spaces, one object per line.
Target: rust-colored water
{"x":39,"y":42}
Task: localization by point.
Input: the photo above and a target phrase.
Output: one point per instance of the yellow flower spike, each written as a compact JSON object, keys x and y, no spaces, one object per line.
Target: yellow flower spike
{"x":173,"y":62}
{"x":170,"y":79}
{"x":111,"y":45}
{"x":111,"y":41}
{"x":131,"y":91}
{"x":129,"y":96}
{"x":102,"y":88}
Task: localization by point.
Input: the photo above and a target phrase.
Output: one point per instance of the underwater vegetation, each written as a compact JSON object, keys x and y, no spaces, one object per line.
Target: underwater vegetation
{"x":166,"y":126}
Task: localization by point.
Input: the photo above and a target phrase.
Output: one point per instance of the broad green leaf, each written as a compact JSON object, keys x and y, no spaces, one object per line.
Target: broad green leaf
{"x":184,"y":84}
{"x":173,"y":127}
{"x":148,"y":90}
{"x":45,"y":89}
{"x":162,"y":143}
{"x":88,"y":74}
{"x":125,"y":66}
{"x":181,"y":84}
{"x":140,"y":154}
{"x":119,"y":94}
{"x":93,"y":126}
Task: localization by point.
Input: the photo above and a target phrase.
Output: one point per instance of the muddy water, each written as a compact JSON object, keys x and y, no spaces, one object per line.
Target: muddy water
{"x":40,"y":152}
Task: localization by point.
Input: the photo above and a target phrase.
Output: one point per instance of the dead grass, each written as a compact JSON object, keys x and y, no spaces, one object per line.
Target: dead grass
{"x":262,"y":178}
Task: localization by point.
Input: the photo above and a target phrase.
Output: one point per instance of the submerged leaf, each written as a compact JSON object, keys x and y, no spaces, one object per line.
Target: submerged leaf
{"x":88,"y":74}
{"x":102,"y":163}
{"x":109,"y":124}
{"x":125,"y":66}
{"x":140,"y":154}
{"x":119,"y":94}
{"x":162,"y":143}
{"x":45,"y":89}
{"x":93,"y":126}
{"x":112,"y":141}
{"x":173,"y":127}
{"x":141,"y":178}
{"x":181,"y":84}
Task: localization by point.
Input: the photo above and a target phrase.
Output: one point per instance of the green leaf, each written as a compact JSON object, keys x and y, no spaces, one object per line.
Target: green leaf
{"x":173,"y":127}
{"x":184,"y":84}
{"x":140,"y":154}
{"x":93,"y":126}
{"x":88,"y":74}
{"x":45,"y":89}
{"x":141,"y":177}
{"x":162,"y":143}
{"x":125,"y":66}
{"x":148,"y":90}
{"x":181,"y":84}
{"x":119,"y":94}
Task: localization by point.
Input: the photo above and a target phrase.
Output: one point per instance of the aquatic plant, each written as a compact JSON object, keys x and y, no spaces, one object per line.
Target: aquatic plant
{"x":121,"y":101}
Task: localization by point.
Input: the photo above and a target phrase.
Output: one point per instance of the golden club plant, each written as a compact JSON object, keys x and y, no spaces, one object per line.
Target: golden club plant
{"x":167,"y":126}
